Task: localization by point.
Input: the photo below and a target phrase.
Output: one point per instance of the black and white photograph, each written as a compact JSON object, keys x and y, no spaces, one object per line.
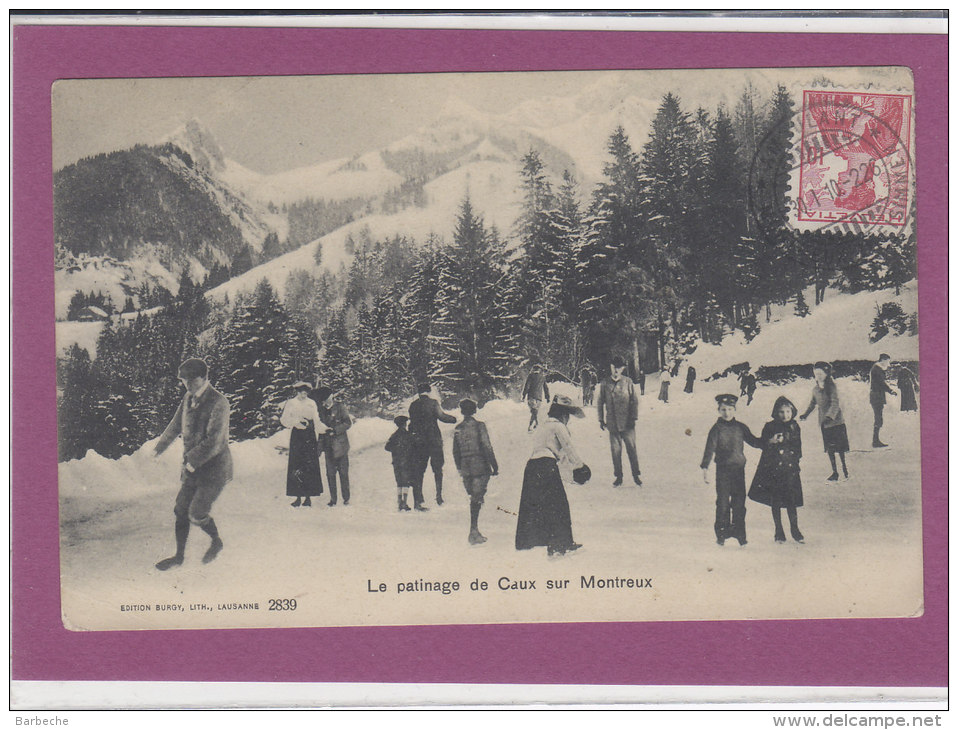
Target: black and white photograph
{"x":479,"y":348}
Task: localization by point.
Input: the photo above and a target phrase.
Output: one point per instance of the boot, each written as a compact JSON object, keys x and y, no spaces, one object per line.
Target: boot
{"x":476,"y":537}
{"x":833,"y":477}
{"x":876,"y":442}
{"x":307,"y":502}
{"x":182,"y":531}
{"x":439,"y":489}
{"x":797,"y":536}
{"x":216,"y":545}
{"x":420,"y":507}
{"x":296,"y":503}
{"x":403,"y":504}
{"x":779,"y":534}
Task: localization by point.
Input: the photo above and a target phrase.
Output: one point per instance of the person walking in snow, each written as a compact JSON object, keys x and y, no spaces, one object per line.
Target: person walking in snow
{"x":618,"y":409}
{"x":301,"y":416}
{"x":777,"y":481}
{"x":725,"y":442}
{"x":690,"y":379}
{"x":475,"y":461}
{"x":879,"y":387}
{"x":337,"y":422}
{"x":400,"y":446}
{"x":747,"y":379}
{"x":534,"y":392}
{"x":830,"y":418}
{"x":424,"y":415}
{"x":587,"y":378}
{"x":665,"y":380}
{"x":908,"y":387}
{"x":203,"y":420}
{"x":544,"y":516}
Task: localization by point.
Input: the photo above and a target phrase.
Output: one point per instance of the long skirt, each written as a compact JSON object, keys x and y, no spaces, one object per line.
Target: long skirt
{"x":303,"y":478}
{"x":544,"y":517}
{"x":908,"y":400}
{"x":835,"y":438}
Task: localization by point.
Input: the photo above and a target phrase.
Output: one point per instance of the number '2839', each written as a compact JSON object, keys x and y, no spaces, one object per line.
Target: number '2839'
{"x":282,"y":604}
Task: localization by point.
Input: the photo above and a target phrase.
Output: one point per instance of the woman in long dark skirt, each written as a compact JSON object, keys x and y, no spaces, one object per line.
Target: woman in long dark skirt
{"x":303,"y":478}
{"x":834,"y":433}
{"x":544,"y":517}
{"x":908,"y":387}
{"x":778,"y":482}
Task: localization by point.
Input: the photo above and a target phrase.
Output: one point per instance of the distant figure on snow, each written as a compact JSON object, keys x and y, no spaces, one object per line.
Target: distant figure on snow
{"x":725,"y":442}
{"x":641,"y":381}
{"x":535,"y":392}
{"x":335,"y":418}
{"x":400,"y":446}
{"x":908,"y":387}
{"x":203,"y":419}
{"x":747,"y":379}
{"x":879,"y":387}
{"x":475,"y":461}
{"x":424,"y":414}
{"x":618,"y":409}
{"x":588,"y":378}
{"x":544,"y":517}
{"x":301,"y":416}
{"x":665,"y":380}
{"x":830,"y":418}
{"x":690,"y":379}
{"x":778,"y":482}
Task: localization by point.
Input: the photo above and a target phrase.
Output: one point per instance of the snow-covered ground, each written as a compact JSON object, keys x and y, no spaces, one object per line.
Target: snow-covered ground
{"x":862,"y":555}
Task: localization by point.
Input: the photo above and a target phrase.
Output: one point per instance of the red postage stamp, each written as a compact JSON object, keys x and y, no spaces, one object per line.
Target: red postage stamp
{"x":854,"y":167}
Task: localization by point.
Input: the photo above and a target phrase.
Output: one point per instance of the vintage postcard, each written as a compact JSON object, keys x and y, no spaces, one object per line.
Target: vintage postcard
{"x":487,"y":348}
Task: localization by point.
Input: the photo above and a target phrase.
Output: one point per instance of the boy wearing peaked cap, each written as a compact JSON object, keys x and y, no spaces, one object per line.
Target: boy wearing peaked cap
{"x":475,"y":461}
{"x":725,"y":442}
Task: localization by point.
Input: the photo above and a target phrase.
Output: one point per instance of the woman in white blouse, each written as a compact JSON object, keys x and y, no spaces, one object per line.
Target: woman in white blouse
{"x":303,"y":478}
{"x":544,"y":517}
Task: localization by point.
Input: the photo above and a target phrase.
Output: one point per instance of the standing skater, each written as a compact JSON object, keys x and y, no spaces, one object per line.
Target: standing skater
{"x":665,"y":380}
{"x":778,"y":482}
{"x":301,"y":416}
{"x":588,"y":377}
{"x":476,"y":462}
{"x":424,"y":412}
{"x":544,"y":517}
{"x":830,"y":418}
{"x":641,"y":381}
{"x":725,"y":442}
{"x":689,"y":379}
{"x":534,"y":392}
{"x":748,"y":384}
{"x":336,"y":418}
{"x":400,"y":446}
{"x":908,"y":387}
{"x":203,"y":419}
{"x":618,"y":410}
{"x":879,"y":387}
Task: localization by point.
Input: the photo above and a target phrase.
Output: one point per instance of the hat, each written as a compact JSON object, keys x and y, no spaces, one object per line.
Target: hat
{"x":401,"y":420}
{"x":618,"y":361}
{"x":193,"y":368}
{"x":783,"y":401}
{"x":564,"y":401}
{"x":468,"y":407}
{"x":302,"y":385}
{"x":582,"y":474}
{"x":322,"y":392}
{"x":726,"y":399}
{"x":823,"y":366}
{"x":884,"y":356}
{"x":423,"y":386}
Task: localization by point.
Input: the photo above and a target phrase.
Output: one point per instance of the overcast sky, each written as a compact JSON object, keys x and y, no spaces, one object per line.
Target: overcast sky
{"x":271,"y":124}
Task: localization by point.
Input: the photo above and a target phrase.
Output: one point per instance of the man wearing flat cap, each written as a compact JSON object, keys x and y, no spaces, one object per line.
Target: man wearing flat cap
{"x":203,"y":420}
{"x":618,"y":409}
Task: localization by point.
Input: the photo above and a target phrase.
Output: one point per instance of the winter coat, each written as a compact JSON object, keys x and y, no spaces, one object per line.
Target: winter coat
{"x":472,"y":450}
{"x":879,"y":386}
{"x":424,"y":414}
{"x":535,"y":387}
{"x":205,"y":427}
{"x":337,"y":418}
{"x":400,"y":446}
{"x":617,"y":404}
{"x":689,"y":379}
{"x":908,"y":387}
{"x":826,"y":399}
{"x":777,"y":481}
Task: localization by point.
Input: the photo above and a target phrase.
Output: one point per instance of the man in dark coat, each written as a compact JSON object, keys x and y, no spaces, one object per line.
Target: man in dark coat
{"x":335,"y":441}
{"x":879,"y":386}
{"x":535,"y":392}
{"x":203,"y":420}
{"x":587,"y":378}
{"x":690,"y":379}
{"x":725,"y":442}
{"x":424,"y":414}
{"x":618,"y":410}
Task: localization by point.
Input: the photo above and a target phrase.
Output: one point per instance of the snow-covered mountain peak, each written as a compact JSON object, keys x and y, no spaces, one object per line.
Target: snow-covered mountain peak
{"x":200,"y":144}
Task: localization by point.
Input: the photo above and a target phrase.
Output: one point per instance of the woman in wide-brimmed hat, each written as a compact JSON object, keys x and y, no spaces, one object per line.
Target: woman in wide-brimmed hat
{"x":544,"y":517}
{"x":300,"y":415}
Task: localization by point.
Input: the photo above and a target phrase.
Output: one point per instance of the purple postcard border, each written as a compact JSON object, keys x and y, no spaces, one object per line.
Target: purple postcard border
{"x":851,"y":652}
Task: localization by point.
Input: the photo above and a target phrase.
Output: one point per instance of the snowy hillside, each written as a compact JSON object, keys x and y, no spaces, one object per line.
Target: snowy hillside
{"x":116,"y":521}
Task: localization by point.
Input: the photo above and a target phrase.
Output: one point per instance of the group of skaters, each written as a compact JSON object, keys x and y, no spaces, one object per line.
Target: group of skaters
{"x":319,"y":424}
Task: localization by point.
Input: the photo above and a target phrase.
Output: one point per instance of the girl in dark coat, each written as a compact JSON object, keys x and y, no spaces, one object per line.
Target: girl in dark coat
{"x":544,"y":517}
{"x":908,"y":386}
{"x":303,"y":478}
{"x":777,"y":482}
